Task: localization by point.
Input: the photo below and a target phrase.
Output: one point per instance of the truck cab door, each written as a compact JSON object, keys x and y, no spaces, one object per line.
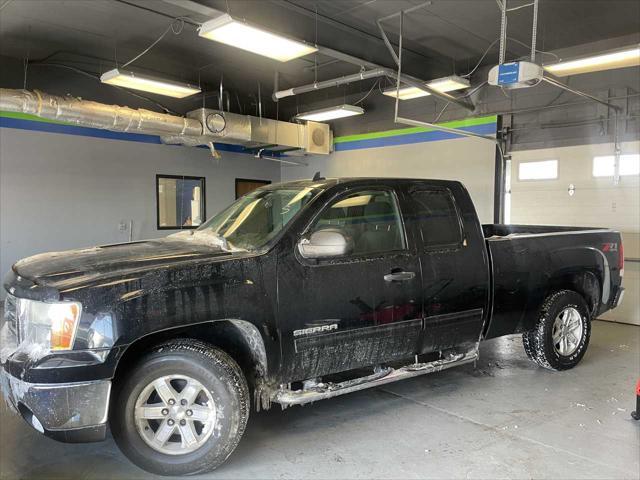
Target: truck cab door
{"x":455,"y":275}
{"x":359,"y":308}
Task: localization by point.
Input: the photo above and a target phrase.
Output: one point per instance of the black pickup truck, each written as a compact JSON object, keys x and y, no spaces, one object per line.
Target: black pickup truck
{"x":295,"y":293}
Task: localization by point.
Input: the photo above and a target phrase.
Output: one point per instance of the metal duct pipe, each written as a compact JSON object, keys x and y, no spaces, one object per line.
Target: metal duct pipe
{"x":96,"y":115}
{"x":368,"y":74}
{"x":335,"y":82}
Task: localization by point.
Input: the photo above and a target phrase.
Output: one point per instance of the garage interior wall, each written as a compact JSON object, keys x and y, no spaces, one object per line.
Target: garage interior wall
{"x":596,"y":202}
{"x":60,"y":191}
{"x":469,"y":160}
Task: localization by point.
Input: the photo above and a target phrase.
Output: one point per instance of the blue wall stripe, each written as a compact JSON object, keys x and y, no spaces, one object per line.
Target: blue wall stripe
{"x":22,"y":124}
{"x":431,"y":136}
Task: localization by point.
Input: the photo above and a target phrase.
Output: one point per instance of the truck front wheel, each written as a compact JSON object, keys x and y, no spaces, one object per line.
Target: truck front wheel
{"x":560,"y":337}
{"x":181,"y":410}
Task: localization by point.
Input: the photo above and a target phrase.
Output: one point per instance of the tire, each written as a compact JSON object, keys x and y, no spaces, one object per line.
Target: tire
{"x":204,"y":381}
{"x":540,"y":343}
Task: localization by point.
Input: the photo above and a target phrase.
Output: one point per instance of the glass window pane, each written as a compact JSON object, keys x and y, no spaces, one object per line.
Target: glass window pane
{"x":603,"y":166}
{"x":257,"y":217}
{"x":180,"y":202}
{"x":436,"y":217}
{"x":545,"y":170}
{"x":369,"y":219}
{"x":630,"y":164}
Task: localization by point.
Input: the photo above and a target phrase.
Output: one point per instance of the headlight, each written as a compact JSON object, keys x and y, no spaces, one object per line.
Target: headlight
{"x":52,"y":325}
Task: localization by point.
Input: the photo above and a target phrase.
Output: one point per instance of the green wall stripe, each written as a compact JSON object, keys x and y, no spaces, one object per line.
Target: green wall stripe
{"x":467,"y":122}
{"x":32,"y":118}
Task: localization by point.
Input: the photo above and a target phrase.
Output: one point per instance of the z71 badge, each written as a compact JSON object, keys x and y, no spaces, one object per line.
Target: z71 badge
{"x":310,"y":330}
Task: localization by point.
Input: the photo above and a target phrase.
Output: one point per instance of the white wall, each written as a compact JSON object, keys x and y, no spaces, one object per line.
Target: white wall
{"x":596,"y":202}
{"x":61,"y":191}
{"x":469,"y":160}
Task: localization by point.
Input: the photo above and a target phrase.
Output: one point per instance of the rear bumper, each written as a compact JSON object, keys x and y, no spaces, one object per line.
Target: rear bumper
{"x":67,"y":412}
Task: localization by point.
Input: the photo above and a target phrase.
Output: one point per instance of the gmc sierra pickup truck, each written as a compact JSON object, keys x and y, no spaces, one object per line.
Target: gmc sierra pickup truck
{"x":295,"y":293}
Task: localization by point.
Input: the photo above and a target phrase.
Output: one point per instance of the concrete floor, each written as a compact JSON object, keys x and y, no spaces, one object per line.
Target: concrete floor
{"x":505,"y":418}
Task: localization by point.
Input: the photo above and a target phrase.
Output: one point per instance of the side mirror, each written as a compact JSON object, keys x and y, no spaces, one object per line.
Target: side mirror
{"x":329,"y":242}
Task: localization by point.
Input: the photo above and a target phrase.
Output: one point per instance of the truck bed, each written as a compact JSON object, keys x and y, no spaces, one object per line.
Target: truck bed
{"x":528,"y":262}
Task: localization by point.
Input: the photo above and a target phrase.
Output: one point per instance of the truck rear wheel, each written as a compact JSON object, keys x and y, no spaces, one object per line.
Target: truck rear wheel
{"x":560,"y":337}
{"x":182,"y":410}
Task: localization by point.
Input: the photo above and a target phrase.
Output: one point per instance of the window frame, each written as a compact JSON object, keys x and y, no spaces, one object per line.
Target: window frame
{"x":180,"y":177}
{"x":441,"y":246}
{"x":263,"y":183}
{"x":546,"y":179}
{"x":307,"y":230}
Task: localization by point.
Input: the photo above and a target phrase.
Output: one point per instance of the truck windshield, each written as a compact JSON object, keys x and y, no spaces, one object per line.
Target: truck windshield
{"x":259,"y":216}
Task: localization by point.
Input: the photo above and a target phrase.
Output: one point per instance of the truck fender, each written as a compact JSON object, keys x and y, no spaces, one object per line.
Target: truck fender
{"x":593,"y":284}
{"x":239,"y":338}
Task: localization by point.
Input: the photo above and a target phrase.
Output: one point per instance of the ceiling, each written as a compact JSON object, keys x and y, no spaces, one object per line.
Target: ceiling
{"x":440,"y":38}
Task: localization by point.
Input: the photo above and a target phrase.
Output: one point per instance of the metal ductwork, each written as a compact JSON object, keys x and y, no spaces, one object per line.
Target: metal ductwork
{"x":258,"y":132}
{"x":200,"y":127}
{"x":96,"y":115}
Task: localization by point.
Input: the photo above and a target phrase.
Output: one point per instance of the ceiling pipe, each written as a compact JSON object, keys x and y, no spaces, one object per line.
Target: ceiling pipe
{"x":369,"y":74}
{"x":435,"y":126}
{"x":345,"y":57}
{"x":86,"y":113}
{"x":552,"y":81}
{"x":335,"y":82}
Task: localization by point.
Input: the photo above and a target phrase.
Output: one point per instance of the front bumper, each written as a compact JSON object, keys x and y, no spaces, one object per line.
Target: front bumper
{"x":67,"y":412}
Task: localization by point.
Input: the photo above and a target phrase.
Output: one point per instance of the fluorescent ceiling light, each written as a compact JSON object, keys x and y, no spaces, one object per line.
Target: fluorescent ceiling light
{"x":147,"y":83}
{"x":449,"y":84}
{"x":446,"y":84}
{"x":331,"y":113}
{"x":225,"y":29}
{"x":405,"y":93}
{"x":627,"y":57}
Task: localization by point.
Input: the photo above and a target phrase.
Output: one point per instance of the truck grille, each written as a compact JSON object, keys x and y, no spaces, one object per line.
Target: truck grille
{"x":9,"y":332}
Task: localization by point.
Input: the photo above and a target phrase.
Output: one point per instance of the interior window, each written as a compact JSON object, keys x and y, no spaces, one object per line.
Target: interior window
{"x":369,"y":219}
{"x":180,"y":201}
{"x":437,"y":217}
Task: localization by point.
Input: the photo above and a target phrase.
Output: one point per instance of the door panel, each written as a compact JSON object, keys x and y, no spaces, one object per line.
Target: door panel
{"x":343,"y":313}
{"x":454,"y":271}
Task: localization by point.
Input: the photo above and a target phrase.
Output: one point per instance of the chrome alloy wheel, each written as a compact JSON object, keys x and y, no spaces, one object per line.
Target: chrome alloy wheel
{"x":175,"y":414}
{"x":567,"y":331}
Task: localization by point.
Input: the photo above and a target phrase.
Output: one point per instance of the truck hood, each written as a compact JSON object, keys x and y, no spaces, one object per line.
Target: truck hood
{"x":73,"y":268}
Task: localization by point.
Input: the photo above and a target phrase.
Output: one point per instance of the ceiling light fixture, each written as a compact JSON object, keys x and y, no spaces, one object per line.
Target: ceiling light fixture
{"x":445,"y":84}
{"x":236,"y":33}
{"x":148,"y":83}
{"x":331,"y":113}
{"x":626,"y":57}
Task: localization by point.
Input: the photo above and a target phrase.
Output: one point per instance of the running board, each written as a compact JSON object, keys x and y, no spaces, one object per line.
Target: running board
{"x":322,"y":391}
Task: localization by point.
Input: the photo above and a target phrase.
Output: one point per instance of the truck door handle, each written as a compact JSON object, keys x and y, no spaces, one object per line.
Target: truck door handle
{"x":399,"y":276}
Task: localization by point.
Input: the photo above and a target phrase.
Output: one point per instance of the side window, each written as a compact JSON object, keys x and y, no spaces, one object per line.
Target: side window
{"x":436,"y":217}
{"x":370,"y":219}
